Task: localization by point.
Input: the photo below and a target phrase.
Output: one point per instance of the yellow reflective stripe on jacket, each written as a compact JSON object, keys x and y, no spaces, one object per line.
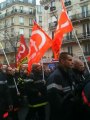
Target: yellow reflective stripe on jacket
{"x":38,"y":105}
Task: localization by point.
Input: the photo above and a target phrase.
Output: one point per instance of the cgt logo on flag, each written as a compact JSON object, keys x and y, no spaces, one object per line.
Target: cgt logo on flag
{"x":39,"y":44}
{"x":22,"y":51}
{"x":36,"y":46}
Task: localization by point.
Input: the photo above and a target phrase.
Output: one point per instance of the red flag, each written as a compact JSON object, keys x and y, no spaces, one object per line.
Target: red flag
{"x":22,"y":51}
{"x":64,"y":23}
{"x":56,"y":45}
{"x":64,"y":26}
{"x":39,"y":44}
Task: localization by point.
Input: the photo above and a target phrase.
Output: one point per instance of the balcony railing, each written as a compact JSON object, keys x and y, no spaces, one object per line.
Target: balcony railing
{"x":80,"y":16}
{"x":52,"y":25}
{"x":86,"y":53}
{"x":7,"y":50}
{"x":17,"y":11}
{"x":44,"y":1}
{"x":81,"y":36}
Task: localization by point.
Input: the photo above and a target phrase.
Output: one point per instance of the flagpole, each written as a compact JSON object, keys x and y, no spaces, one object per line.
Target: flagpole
{"x":9,"y":66}
{"x":4,"y":54}
{"x":81,"y":51}
{"x":42,"y":69}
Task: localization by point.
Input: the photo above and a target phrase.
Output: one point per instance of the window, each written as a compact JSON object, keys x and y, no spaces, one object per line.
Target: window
{"x":8,"y":1}
{"x":12,"y":31}
{"x":31,"y":10}
{"x":21,"y":0}
{"x":21,"y":31}
{"x":69,"y":35}
{"x":21,"y":7}
{"x":13,"y":8}
{"x":53,"y":3}
{"x":21,"y":20}
{"x":30,"y":21}
{"x":84,"y":11}
{"x":40,"y":18}
{"x":6,"y":23}
{"x":6,"y":10}
{"x":69,"y":13}
{"x":87,"y":49}
{"x":70,"y":51}
{"x":86,"y":29}
{"x":30,"y":1}
{"x":39,"y":9}
{"x":30,"y":32}
{"x":2,"y":5}
{"x":12,"y":20}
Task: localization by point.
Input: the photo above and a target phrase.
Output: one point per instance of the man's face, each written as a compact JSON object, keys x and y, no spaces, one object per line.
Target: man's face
{"x":80,"y":66}
{"x":68,"y":63}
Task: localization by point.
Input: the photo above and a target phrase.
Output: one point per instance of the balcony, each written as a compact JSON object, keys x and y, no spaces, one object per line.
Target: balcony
{"x":17,"y":11}
{"x":86,"y":53}
{"x":42,"y":2}
{"x":81,"y":37}
{"x":80,"y":17}
{"x":67,"y":3}
{"x":53,"y":25}
{"x":7,"y":50}
{"x":52,"y":8}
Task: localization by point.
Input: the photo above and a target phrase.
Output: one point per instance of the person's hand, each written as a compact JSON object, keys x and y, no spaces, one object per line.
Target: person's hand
{"x":18,"y":93}
{"x":10,"y":107}
{"x":39,"y":94}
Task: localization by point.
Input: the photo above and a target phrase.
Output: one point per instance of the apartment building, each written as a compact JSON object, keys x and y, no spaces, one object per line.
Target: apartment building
{"x":79,"y":13}
{"x":15,"y":19}
{"x":39,"y":11}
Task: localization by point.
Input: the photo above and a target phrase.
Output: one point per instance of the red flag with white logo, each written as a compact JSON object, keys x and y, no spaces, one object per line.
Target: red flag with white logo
{"x":22,"y":51}
{"x":40,"y":42}
{"x":64,"y":26}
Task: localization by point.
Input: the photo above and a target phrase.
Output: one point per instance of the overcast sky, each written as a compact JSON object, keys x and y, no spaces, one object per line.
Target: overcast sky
{"x":37,"y":1}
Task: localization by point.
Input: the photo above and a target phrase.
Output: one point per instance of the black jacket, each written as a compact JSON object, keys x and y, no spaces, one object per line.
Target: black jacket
{"x":5,"y":97}
{"x":36,"y":90}
{"x":60,"y":87}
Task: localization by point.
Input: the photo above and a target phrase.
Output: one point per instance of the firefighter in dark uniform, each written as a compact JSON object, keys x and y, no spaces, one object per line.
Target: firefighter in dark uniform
{"x":81,"y":77}
{"x":60,"y":89}
{"x":5,"y":98}
{"x":36,"y":94}
{"x":12,"y":84}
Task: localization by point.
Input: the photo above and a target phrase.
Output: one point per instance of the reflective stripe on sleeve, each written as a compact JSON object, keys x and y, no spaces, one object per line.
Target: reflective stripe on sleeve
{"x":54,"y":85}
{"x":3,"y":82}
{"x":58,"y":87}
{"x":28,"y":80}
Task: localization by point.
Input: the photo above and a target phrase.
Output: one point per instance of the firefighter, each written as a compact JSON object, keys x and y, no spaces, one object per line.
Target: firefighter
{"x":81,"y":77}
{"x":12,"y":84}
{"x":60,"y":89}
{"x":36,"y":94}
{"x":5,"y":97}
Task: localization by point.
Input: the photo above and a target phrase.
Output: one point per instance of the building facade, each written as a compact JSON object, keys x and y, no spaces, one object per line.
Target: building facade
{"x":79,"y":13}
{"x":16,"y":18}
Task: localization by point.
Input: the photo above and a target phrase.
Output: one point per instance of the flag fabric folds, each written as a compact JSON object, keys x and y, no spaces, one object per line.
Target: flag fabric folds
{"x":64,"y":26}
{"x":40,"y":42}
{"x":22,"y":53}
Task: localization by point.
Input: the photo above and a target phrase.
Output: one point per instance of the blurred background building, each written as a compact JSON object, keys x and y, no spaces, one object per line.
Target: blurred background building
{"x":79,"y":13}
{"x":16,"y":17}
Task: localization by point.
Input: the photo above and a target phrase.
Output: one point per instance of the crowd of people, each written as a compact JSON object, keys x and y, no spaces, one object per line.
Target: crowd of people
{"x":59,"y":92}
